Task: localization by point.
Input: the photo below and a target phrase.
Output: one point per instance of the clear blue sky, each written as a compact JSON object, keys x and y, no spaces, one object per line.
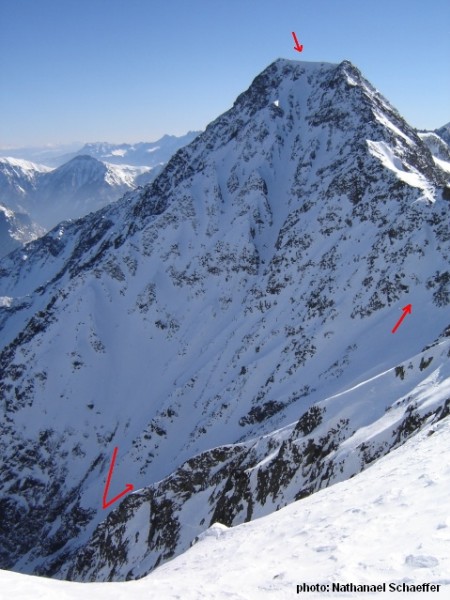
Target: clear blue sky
{"x":132,"y":70}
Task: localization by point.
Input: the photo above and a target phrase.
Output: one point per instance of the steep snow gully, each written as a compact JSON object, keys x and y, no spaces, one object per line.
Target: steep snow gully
{"x":228,"y":328}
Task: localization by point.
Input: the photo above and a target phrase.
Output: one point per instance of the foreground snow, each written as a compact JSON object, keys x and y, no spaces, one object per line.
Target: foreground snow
{"x":389,"y":524}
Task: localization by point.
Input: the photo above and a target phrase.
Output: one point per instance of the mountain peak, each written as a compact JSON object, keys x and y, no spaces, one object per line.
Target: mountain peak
{"x":83,"y":158}
{"x":310,"y":101}
{"x":294,"y":80}
{"x":283,"y":70}
{"x":272,"y":77}
{"x":80,"y":164}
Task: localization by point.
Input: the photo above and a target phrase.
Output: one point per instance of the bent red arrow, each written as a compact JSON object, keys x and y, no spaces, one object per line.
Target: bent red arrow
{"x":298,"y":47}
{"x":406,"y":310}
{"x":128,"y":487}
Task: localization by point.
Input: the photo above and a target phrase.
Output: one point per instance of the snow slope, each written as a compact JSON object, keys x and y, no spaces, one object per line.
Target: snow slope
{"x":331,"y":442}
{"x":389,"y":524}
{"x":228,"y":328}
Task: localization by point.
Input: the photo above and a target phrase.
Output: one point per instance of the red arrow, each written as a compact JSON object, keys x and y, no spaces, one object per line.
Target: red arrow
{"x":297,"y":46}
{"x":128,"y":488}
{"x":406,"y":310}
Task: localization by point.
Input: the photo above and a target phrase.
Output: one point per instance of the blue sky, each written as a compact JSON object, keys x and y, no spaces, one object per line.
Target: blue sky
{"x":132,"y":70}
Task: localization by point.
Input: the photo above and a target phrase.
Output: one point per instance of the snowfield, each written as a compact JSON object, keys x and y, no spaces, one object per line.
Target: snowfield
{"x":389,"y":524}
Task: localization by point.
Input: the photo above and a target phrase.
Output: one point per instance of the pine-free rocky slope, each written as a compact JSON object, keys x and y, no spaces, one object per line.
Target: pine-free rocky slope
{"x":228,"y":329}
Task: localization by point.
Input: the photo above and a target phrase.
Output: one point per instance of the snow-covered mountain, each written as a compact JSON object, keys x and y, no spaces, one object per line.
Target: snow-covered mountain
{"x":436,"y":145}
{"x":16,"y":229}
{"x":228,"y":329}
{"x":18,"y":179}
{"x":80,"y":186}
{"x":444,"y":133}
{"x":76,"y":188}
{"x":387,"y":527}
{"x":440,"y":151}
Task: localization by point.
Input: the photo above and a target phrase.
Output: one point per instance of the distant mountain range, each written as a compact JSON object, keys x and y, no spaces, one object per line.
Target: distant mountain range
{"x":151,"y":154}
{"x":37,"y":197}
{"x":147,"y":154}
{"x":49,"y":155}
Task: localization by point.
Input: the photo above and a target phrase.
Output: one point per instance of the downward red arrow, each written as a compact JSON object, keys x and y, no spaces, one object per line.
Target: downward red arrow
{"x":298,"y":47}
{"x":406,"y":310}
{"x":128,"y":487}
